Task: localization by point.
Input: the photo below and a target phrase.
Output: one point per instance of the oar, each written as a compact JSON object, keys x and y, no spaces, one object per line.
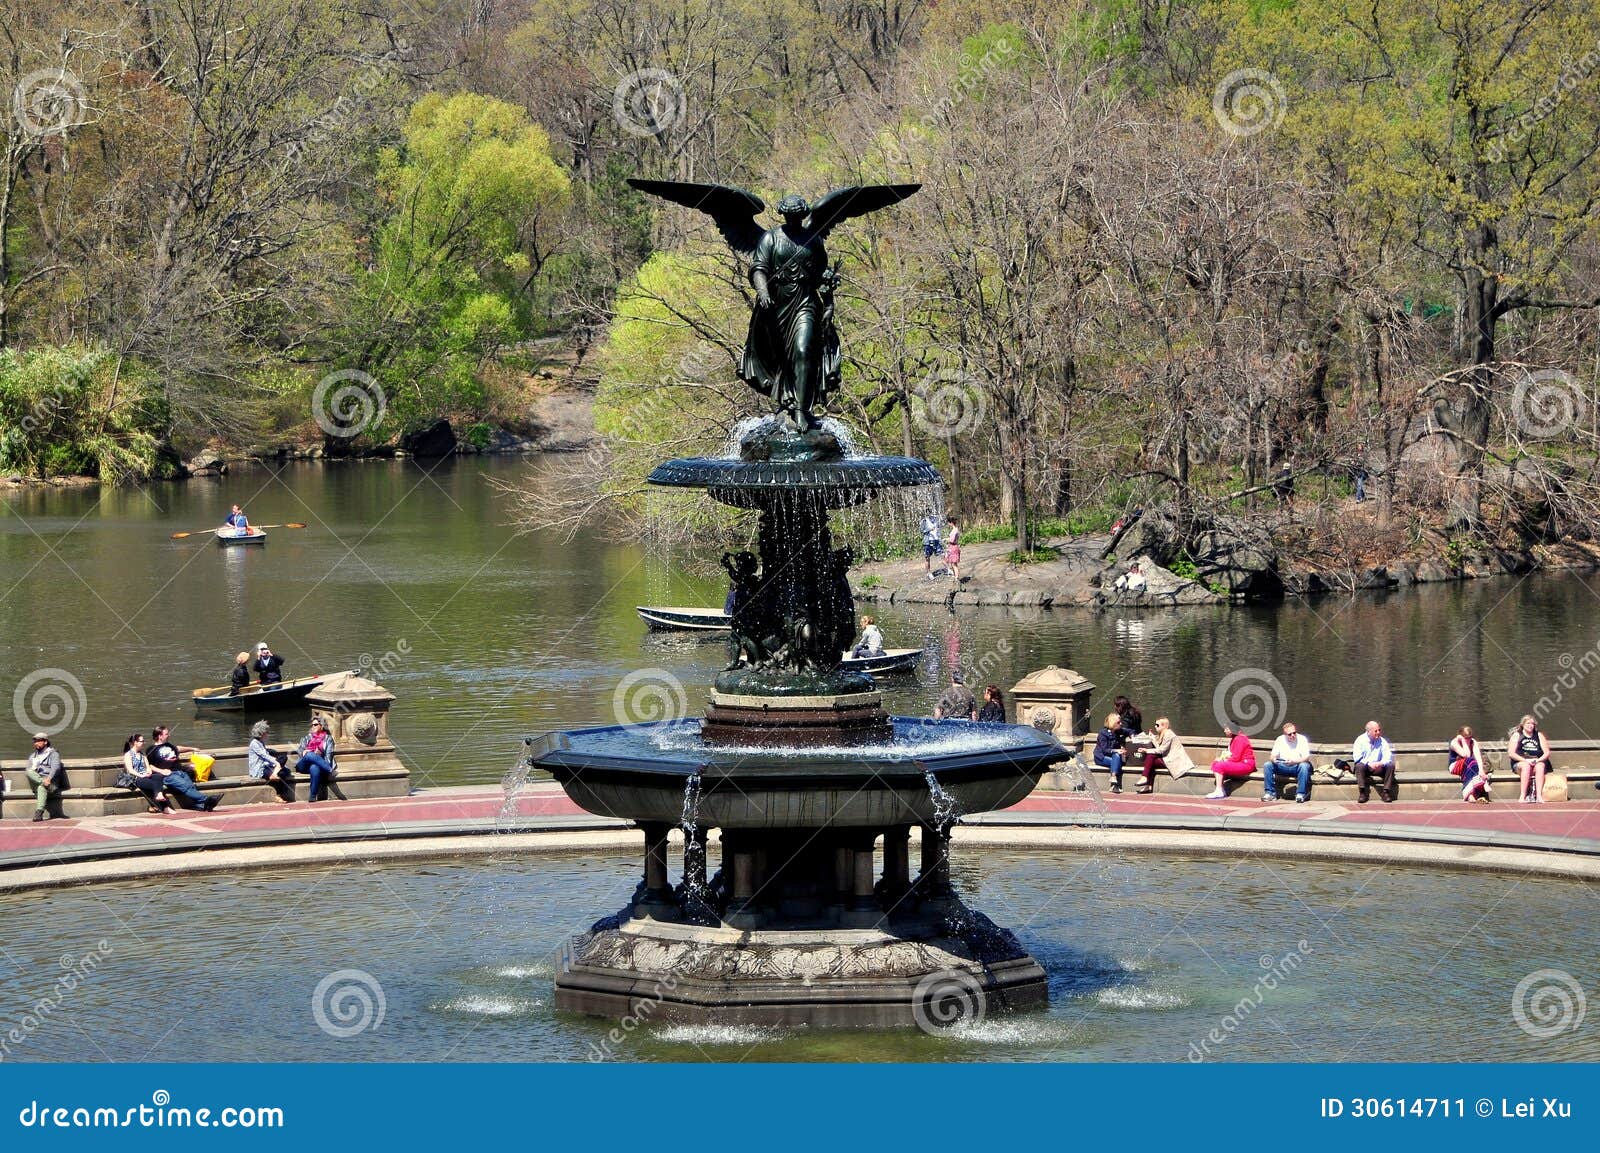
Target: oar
{"x":205,"y":531}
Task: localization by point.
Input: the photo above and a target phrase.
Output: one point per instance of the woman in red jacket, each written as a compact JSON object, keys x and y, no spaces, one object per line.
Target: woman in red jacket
{"x":1240,"y":762}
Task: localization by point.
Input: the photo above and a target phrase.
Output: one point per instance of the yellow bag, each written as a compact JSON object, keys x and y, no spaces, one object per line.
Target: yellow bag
{"x":201,"y":764}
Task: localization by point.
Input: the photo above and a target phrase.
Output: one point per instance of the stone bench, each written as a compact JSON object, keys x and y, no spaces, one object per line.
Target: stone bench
{"x":1421,"y":771}
{"x":91,"y":789}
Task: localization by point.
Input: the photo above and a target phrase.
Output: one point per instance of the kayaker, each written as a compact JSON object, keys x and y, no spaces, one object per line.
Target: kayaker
{"x":269,"y":666}
{"x":237,"y":519}
{"x":240,"y":677}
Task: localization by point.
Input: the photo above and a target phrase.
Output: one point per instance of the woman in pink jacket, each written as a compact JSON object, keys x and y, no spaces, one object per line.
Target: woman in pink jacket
{"x":1240,"y":762}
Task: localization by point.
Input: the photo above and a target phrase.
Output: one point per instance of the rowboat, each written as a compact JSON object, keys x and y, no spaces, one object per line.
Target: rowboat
{"x":884,"y":663}
{"x":241,"y":536}
{"x":285,"y":694}
{"x":682,"y":620}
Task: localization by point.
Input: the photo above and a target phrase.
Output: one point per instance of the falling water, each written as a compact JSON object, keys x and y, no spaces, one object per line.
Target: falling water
{"x":512,"y":784}
{"x":696,"y":907}
{"x":945,"y":810}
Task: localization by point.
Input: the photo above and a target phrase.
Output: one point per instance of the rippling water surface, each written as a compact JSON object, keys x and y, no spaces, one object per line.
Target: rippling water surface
{"x":1149,"y":959}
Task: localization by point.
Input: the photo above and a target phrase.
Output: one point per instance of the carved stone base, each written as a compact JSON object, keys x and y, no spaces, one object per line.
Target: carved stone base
{"x":797,"y":722}
{"x":928,"y":973}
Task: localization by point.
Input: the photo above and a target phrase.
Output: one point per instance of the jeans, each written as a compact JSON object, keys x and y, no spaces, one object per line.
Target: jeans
{"x":41,"y":791}
{"x":317,"y":767}
{"x":1112,"y":762}
{"x":181,"y":784}
{"x":1301,"y":773}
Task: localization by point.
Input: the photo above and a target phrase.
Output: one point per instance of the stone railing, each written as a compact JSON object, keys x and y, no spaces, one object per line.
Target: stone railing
{"x":355,"y":710}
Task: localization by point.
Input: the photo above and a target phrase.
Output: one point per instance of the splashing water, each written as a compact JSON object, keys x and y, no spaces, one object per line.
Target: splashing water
{"x":512,"y":785}
{"x":695,"y":904}
{"x":946,"y":812}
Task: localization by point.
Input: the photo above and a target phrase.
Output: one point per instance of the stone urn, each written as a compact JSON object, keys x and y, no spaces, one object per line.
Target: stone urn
{"x":1054,"y":700}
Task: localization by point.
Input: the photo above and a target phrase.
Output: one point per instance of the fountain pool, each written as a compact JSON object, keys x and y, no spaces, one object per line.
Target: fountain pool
{"x":1146,"y":956}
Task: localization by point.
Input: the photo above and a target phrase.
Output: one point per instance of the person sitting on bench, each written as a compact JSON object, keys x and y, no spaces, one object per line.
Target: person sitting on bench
{"x":1374,"y":757}
{"x":1291,"y":757}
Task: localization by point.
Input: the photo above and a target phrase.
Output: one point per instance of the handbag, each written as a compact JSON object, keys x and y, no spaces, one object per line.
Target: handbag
{"x":125,"y":780}
{"x":200,"y":764}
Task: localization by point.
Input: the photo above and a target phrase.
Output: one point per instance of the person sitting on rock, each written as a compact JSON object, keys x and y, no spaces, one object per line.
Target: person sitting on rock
{"x":1239,"y":762}
{"x":1133,"y":582}
{"x":1110,"y":748}
{"x":1372,"y":755}
{"x":871,"y":642}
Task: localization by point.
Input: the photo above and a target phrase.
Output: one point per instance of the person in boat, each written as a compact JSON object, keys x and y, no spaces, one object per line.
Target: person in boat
{"x":142,"y":778}
{"x":237,"y":519}
{"x":269,"y":665}
{"x":262,"y":764}
{"x":994,"y":706}
{"x":871,"y":642}
{"x":240,"y":677}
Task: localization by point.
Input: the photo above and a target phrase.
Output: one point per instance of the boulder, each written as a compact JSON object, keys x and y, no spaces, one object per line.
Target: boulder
{"x":433,"y":440}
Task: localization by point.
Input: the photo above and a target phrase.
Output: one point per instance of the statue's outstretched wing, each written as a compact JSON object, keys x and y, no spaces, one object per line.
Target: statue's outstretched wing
{"x":857,"y":200}
{"x":733,"y":209}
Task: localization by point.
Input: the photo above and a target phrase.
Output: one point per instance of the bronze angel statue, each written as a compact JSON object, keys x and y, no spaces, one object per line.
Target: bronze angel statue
{"x":792,"y":350}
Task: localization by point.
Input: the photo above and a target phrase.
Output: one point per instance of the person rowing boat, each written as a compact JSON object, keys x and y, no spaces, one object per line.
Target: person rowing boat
{"x":236,"y":519}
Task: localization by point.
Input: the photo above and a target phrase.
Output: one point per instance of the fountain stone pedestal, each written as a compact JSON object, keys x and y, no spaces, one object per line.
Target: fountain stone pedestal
{"x":803,"y":773}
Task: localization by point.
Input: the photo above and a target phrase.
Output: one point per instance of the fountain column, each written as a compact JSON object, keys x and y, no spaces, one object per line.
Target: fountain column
{"x":863,"y":912}
{"x":658,"y":901}
{"x":896,"y":863}
{"x":933,"y":886}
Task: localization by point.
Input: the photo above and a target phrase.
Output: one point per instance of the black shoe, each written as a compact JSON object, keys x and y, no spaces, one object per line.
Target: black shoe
{"x":212,"y":803}
{"x":39,"y":815}
{"x":1116,"y":788}
{"x":1388,"y":798}
{"x":1362,"y":799}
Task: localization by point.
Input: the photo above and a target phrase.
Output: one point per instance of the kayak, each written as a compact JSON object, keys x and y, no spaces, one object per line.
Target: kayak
{"x":669,"y":620}
{"x":241,"y":536}
{"x":282,"y":695}
{"x":880,"y":664}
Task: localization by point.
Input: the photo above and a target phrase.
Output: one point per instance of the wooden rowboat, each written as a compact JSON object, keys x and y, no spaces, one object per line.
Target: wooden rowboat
{"x":285,"y":694}
{"x":684,"y":620}
{"x":229,"y":536}
{"x":884,"y":663}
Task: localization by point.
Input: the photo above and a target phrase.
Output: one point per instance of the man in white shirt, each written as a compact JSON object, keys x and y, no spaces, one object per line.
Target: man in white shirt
{"x":1133,"y":581}
{"x":1373,"y":756}
{"x":1291,"y":757}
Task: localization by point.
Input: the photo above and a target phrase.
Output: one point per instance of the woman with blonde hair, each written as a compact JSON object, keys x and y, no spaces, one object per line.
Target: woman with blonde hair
{"x":1166,"y":751}
{"x":1529,"y":751}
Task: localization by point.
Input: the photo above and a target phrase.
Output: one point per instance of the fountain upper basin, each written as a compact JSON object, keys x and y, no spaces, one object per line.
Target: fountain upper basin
{"x":639,"y":772}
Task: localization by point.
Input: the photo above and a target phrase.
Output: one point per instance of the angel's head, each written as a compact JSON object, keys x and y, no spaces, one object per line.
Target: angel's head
{"x":793,"y":208}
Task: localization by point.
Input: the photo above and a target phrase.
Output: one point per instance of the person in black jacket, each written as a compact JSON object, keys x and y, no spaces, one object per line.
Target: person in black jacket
{"x":240,"y":677}
{"x":269,"y":666}
{"x":1110,"y":748}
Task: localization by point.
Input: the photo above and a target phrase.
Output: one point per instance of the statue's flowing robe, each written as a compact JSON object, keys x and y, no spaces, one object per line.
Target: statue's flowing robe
{"x":799,"y":321}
